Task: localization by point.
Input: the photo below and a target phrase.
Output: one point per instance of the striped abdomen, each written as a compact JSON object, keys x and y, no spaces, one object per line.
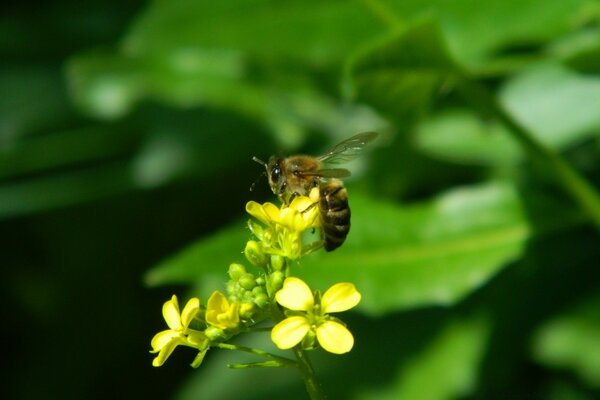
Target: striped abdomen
{"x":335,"y":214}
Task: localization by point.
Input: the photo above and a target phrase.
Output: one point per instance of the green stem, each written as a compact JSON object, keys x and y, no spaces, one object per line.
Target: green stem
{"x":284,"y":361}
{"x":572,"y":182}
{"x":308,"y":375}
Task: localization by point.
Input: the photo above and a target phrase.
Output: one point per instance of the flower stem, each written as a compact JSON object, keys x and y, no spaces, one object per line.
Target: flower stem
{"x":308,"y":375}
{"x":284,"y":361}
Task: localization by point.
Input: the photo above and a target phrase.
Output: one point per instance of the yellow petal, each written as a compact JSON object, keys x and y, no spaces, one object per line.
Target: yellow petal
{"x":165,"y":352}
{"x":256,"y":210}
{"x":271,"y":211}
{"x":190,"y":310}
{"x":230,"y":318}
{"x":340,"y":297}
{"x":171,"y":314}
{"x":161,"y":339}
{"x":289,"y":332}
{"x":334,"y":337}
{"x":301,"y":203}
{"x":295,"y":295}
{"x":217,"y":304}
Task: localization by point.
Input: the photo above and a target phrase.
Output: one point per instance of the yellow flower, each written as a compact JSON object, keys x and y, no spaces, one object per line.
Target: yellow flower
{"x":310,"y":318}
{"x":220,"y":313}
{"x":179,"y":333}
{"x":285,"y":225}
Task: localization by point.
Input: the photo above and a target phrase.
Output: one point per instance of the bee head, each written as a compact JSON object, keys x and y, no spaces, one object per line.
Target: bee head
{"x":274,"y":173}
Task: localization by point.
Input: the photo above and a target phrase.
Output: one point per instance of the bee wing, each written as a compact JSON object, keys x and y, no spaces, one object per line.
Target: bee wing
{"x":348,"y":149}
{"x":329,"y":173}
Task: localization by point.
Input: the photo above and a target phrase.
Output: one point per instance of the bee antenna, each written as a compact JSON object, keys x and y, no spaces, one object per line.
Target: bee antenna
{"x":261,"y":162}
{"x":256,"y":181}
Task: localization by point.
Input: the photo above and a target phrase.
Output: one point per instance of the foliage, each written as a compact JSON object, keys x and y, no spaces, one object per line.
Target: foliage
{"x":474,"y":239}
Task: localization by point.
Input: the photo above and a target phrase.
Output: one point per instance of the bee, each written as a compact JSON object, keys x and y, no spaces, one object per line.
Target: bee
{"x":297,"y":175}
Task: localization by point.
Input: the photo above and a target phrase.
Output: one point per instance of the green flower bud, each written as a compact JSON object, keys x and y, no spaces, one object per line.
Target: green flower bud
{"x":247,"y":281}
{"x":258,"y":290}
{"x":260,"y":281}
{"x":232,"y":288}
{"x":276,"y":281}
{"x":214,"y":334}
{"x":235,"y":271}
{"x":261,"y":300}
{"x":255,"y":255}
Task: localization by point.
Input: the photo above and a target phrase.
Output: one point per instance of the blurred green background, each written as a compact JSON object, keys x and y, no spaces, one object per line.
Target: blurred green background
{"x":127,"y":130}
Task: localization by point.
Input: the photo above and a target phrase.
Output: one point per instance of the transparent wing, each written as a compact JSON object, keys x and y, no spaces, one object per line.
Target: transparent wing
{"x":329,"y":173}
{"x":348,"y":149}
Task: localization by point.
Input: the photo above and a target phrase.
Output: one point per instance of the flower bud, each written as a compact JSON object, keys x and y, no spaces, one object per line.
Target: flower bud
{"x":214,"y":334}
{"x":235,"y":271}
{"x":254,"y":254}
{"x":276,"y":281}
{"x":261,"y":300}
{"x":247,"y":281}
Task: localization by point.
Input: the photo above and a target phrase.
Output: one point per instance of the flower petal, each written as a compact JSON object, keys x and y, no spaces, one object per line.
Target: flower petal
{"x":161,"y":339}
{"x":295,"y":295}
{"x":217,"y":304}
{"x":171,"y":314}
{"x":334,"y":337}
{"x":165,"y":352}
{"x":190,"y":310}
{"x":257,"y":211}
{"x":340,"y":297}
{"x":271,"y":211}
{"x":290,"y":332}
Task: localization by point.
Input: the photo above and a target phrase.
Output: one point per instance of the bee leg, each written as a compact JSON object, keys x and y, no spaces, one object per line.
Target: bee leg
{"x":291,"y":198}
{"x":310,"y":207}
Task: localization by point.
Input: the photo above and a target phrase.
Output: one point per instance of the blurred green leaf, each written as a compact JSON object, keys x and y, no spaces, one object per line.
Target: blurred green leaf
{"x":557,"y":105}
{"x":447,"y":368}
{"x":208,"y":258}
{"x":430,"y":253}
{"x":63,"y":189}
{"x":314,"y":32}
{"x":570,"y":341}
{"x":460,"y":136}
{"x":33,"y":100}
{"x":224,"y":55}
{"x":477,"y":31}
{"x":401,"y":74}
{"x":60,"y":149}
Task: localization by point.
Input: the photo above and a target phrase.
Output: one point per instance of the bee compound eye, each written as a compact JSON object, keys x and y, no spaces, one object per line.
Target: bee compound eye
{"x":276,"y":174}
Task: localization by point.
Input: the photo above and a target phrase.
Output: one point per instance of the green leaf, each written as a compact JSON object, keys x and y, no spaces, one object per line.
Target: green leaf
{"x":206,"y":260}
{"x":431,"y":253}
{"x":400,"y":74}
{"x":460,"y":136}
{"x":477,"y":31}
{"x":64,"y":189}
{"x":557,"y":105}
{"x":570,"y":341}
{"x":447,"y":368}
{"x":313,"y":31}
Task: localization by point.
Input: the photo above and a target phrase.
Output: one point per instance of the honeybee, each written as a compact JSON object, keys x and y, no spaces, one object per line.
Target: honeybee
{"x":297,"y":175}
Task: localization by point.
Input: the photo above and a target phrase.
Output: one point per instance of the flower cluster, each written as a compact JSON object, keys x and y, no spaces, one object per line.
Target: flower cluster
{"x":302,"y":317}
